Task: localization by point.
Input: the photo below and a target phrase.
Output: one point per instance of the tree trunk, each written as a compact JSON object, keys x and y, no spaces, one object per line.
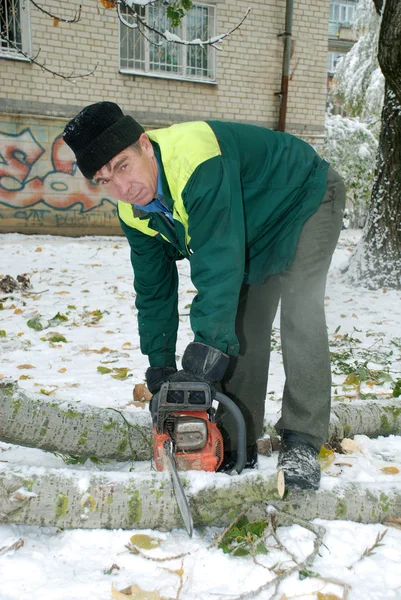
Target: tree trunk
{"x":377,"y":260}
{"x":78,"y":429}
{"x":71,"y":499}
{"x":73,"y":427}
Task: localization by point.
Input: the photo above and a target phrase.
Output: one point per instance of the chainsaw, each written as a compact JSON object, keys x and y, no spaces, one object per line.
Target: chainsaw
{"x":186,"y":436}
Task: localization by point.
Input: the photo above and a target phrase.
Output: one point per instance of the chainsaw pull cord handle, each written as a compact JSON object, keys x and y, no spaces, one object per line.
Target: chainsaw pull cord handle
{"x":241,"y":431}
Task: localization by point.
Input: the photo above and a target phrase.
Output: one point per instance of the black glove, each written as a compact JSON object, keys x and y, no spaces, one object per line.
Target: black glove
{"x":156,"y":376}
{"x":203,"y":363}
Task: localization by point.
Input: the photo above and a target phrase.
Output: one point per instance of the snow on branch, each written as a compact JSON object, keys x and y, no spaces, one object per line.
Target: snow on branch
{"x":168,"y":36}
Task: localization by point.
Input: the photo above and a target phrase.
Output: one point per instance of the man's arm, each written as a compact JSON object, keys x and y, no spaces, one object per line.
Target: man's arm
{"x":213,"y":201}
{"x":156,"y":285}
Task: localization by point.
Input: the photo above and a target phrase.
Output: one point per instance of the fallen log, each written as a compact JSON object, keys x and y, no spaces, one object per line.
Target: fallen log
{"x":72,"y":427}
{"x":80,"y":499}
{"x":371,"y":418}
{"x":79,"y":429}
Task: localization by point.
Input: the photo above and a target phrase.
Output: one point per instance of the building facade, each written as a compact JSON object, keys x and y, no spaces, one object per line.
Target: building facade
{"x":159,"y":84}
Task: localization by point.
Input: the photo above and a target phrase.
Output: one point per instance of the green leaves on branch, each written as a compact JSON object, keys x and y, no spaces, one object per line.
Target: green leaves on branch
{"x":245,"y":538}
{"x":177,"y":10}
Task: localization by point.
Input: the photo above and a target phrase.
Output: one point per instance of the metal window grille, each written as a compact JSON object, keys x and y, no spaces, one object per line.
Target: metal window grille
{"x":14,"y":28}
{"x":139,"y":54}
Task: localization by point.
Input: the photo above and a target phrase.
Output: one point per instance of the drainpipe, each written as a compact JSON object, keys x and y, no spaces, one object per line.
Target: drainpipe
{"x":287,"y":35}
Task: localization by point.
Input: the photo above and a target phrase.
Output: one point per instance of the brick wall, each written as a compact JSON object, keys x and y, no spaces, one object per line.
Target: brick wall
{"x":247,"y":81}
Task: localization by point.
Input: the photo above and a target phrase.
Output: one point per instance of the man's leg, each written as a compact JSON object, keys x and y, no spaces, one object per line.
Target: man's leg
{"x":245,"y":381}
{"x":307,"y":391}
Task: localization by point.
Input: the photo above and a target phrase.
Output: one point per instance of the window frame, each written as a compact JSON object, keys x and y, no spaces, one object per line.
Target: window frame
{"x":26,"y":38}
{"x":342,"y":6}
{"x":333,"y":57}
{"x":147,"y":72}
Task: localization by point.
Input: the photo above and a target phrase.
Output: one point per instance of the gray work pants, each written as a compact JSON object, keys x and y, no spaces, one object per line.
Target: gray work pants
{"x":304,"y":340}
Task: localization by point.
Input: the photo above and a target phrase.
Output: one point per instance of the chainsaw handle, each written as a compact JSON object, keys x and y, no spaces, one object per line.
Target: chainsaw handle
{"x":241,"y":430}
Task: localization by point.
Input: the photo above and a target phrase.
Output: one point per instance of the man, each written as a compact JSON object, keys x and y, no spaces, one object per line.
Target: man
{"x":257,"y":213}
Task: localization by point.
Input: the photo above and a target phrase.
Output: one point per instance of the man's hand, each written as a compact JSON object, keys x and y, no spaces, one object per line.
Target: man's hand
{"x":156,"y":376}
{"x":203,"y":363}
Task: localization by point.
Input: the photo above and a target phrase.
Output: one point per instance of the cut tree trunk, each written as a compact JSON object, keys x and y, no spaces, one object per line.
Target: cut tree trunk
{"x":75,"y":428}
{"x":72,"y":499}
{"x":72,"y":427}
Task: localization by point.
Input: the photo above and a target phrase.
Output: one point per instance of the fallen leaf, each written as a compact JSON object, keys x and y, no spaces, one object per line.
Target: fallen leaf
{"x":47,"y":392}
{"x":121,"y":373}
{"x":141,"y":393}
{"x":38,"y":249}
{"x":390,"y":470}
{"x":126,"y":345}
{"x":135,"y":593}
{"x":350,"y":446}
{"x":103,"y":370}
{"x":18,"y":311}
{"x":321,"y":596}
{"x":23,"y":377}
{"x":145,"y":542}
{"x":25,"y":367}
{"x":15,"y":546}
{"x":62,"y":370}
{"x":325,"y":457}
{"x":60,"y":293}
{"x":21,"y":333}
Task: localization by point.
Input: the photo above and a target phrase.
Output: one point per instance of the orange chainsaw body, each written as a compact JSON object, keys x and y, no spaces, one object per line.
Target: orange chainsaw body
{"x":207,"y":458}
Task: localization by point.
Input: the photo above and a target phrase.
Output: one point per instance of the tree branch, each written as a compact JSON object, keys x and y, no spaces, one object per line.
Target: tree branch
{"x":71,"y":78}
{"x":76,"y":19}
{"x":171,"y":37}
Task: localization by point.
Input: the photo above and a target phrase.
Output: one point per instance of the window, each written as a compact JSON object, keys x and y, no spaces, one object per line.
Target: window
{"x":342,"y":11}
{"x":332,"y":60}
{"x":14,"y":28}
{"x":138,"y":55}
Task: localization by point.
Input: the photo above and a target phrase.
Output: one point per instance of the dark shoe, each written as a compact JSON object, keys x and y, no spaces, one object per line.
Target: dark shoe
{"x":230,"y":458}
{"x":298,"y":461}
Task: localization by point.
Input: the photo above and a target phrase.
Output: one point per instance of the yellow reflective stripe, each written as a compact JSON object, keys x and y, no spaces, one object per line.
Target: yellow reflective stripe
{"x":126,"y":215}
{"x":183,"y":148}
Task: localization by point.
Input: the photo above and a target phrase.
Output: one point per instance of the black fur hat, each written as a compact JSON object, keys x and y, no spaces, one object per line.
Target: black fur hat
{"x":98,"y":133}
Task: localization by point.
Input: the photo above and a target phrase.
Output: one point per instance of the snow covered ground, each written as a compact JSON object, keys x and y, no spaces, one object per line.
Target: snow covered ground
{"x":89,"y":281}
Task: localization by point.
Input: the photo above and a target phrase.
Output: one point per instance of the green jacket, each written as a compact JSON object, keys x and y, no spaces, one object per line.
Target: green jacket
{"x":240,"y":195}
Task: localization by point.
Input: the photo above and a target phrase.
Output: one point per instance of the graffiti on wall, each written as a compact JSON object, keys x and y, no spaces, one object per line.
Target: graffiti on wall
{"x":41,"y":181}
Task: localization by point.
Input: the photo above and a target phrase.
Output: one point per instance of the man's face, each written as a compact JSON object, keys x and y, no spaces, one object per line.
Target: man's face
{"x":131,"y":176}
